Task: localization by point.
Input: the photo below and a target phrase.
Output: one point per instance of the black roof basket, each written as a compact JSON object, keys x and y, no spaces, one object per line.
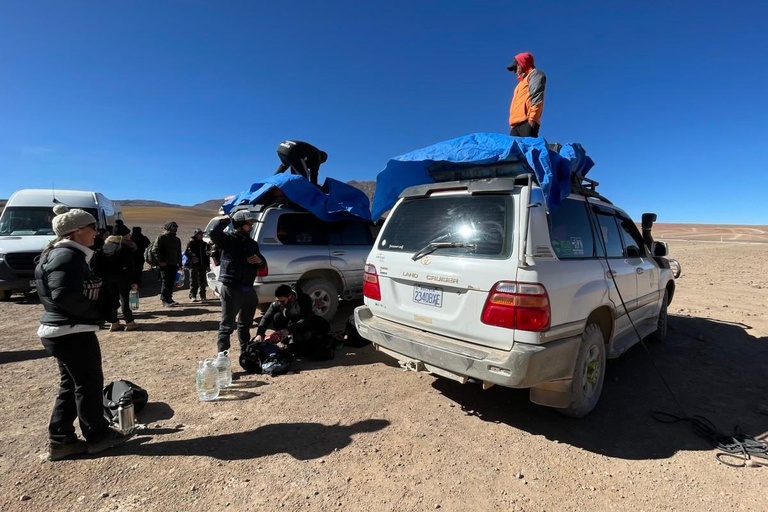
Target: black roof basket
{"x":586,"y":187}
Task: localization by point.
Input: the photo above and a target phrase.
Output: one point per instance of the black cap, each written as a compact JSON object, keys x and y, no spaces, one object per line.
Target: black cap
{"x":513,"y":67}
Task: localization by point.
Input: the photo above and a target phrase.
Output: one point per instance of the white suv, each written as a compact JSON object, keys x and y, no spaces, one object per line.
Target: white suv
{"x":475,"y":279}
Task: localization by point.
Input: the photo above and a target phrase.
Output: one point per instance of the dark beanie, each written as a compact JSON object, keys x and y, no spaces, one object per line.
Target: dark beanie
{"x":121,"y":230}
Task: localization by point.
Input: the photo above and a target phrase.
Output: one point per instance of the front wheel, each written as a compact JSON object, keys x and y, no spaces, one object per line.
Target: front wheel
{"x":324,"y":295}
{"x":661,"y":324}
{"x":588,"y":377}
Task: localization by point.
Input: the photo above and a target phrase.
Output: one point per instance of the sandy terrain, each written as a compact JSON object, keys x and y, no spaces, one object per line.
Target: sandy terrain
{"x":357,"y":433}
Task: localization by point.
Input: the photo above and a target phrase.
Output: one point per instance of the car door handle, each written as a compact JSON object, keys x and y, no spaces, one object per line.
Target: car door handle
{"x":610,"y":274}
{"x":639,"y":271}
{"x":338,"y":253}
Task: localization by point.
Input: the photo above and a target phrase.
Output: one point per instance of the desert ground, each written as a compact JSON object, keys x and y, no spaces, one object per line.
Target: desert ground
{"x":358,"y":433}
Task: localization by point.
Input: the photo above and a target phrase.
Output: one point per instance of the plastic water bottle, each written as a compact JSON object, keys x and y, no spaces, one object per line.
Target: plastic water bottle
{"x":133,"y":300}
{"x":224,"y":367}
{"x":180,"y":278}
{"x":207,"y":381}
{"x":126,"y":419}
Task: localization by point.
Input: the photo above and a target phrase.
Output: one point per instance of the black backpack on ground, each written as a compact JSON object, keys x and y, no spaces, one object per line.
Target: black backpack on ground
{"x":352,"y":338}
{"x":114,"y":391}
{"x":265,"y":357}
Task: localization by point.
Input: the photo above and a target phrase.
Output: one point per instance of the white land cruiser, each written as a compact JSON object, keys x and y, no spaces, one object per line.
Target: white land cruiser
{"x":325,"y":259}
{"x":475,"y":279}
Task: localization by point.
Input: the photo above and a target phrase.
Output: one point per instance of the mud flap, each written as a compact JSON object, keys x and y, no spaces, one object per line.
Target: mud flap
{"x":555,"y":394}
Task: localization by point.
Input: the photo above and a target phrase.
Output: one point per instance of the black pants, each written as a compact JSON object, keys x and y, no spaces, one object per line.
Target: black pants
{"x":525,"y":129}
{"x":234,"y":300}
{"x":168,"y":276}
{"x":138,"y":268}
{"x":119,"y":297}
{"x":80,"y":389}
{"x":197,"y":280}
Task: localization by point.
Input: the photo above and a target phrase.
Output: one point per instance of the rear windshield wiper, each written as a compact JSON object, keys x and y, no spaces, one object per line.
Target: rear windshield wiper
{"x":433,"y":246}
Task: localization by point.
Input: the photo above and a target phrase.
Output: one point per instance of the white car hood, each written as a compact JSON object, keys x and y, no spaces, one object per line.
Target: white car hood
{"x":35,"y":243}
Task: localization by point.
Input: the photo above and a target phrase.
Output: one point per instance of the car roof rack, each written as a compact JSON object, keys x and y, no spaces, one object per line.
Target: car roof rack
{"x":586,"y":187}
{"x":443,"y":171}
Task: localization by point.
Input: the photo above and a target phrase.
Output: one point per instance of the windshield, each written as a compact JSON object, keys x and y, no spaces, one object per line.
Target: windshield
{"x":460,"y":225}
{"x":29,"y":220}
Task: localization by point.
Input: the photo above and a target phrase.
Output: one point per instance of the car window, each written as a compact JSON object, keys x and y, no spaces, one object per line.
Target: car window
{"x":350,"y":233}
{"x":631,"y":237}
{"x":610,"y":234}
{"x":481,"y":220}
{"x":571,"y":231}
{"x":301,"y":229}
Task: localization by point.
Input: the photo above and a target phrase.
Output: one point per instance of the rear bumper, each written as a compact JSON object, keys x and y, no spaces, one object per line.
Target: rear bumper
{"x":524,"y":366}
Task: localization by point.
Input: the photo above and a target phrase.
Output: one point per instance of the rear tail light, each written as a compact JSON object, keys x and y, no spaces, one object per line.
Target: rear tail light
{"x":371,"y":287}
{"x":515,"y":305}
{"x":264,"y":272}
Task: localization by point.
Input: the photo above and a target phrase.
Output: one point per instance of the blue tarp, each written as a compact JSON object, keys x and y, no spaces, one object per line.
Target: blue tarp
{"x":553,"y":170}
{"x":340,"y":202}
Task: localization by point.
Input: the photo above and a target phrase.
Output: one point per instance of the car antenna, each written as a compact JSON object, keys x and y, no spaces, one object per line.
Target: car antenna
{"x":53,"y":193}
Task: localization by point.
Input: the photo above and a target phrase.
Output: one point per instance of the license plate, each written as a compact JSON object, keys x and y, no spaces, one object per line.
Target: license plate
{"x":428,"y":295}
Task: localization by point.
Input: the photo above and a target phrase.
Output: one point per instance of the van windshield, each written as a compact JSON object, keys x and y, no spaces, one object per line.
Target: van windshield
{"x":476,"y":226}
{"x":29,"y":220}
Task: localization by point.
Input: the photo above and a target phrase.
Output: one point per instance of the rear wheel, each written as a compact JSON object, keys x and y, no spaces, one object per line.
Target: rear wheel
{"x":661,"y":325}
{"x":324,"y":295}
{"x":5,"y":294}
{"x":588,"y":377}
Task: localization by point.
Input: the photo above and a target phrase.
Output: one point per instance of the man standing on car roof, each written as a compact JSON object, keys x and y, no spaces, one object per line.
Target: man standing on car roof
{"x":528,"y":99}
{"x":302,"y":158}
{"x":240,"y":262}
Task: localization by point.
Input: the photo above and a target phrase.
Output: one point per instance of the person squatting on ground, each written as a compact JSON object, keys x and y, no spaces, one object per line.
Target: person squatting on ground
{"x":167,"y":249}
{"x":114,"y":263}
{"x":240,"y":262}
{"x":528,"y":99}
{"x":198,"y":263}
{"x":142,"y":242}
{"x":69,"y":292}
{"x":302,"y":158}
{"x":291,"y":314}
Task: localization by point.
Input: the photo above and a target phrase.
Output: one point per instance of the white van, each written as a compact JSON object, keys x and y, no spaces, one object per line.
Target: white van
{"x":25,"y":229}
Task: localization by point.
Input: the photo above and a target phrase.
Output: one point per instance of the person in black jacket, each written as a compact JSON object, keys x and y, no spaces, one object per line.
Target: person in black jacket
{"x":240,"y":263}
{"x":168,"y":252}
{"x":302,"y":158}
{"x":68,"y":291}
{"x":142,"y":242}
{"x":198,"y":263}
{"x":113,"y":263}
{"x":291,"y":314}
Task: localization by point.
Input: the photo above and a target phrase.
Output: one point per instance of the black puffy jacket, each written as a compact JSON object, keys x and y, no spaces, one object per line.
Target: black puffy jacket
{"x":235,"y":249}
{"x":67,"y":287}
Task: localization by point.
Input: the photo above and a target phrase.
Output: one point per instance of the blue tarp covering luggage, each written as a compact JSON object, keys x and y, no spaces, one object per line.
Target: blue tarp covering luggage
{"x":335,"y":202}
{"x":553,"y":170}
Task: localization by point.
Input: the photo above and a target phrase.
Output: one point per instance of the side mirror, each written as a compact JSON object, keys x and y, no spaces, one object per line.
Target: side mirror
{"x":633,"y":252}
{"x":660,"y":249}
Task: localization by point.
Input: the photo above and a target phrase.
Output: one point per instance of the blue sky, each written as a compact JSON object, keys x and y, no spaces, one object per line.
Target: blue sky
{"x":187,"y":100}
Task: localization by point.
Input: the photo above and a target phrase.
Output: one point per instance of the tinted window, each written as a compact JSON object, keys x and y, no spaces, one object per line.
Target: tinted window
{"x":571,"y":231}
{"x":350,"y":233}
{"x":631,"y":237}
{"x":301,"y":229}
{"x":611,"y":235}
{"x":480,"y":220}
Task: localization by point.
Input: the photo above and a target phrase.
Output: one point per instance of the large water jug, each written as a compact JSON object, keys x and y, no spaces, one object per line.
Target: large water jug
{"x":133,"y":300}
{"x":180,"y":275}
{"x":207,"y":381}
{"x":224,"y":367}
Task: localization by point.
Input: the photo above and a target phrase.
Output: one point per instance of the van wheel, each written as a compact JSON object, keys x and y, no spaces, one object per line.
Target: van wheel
{"x":661,"y":326}
{"x":5,"y":294}
{"x":589,"y":374}
{"x":325,"y":297}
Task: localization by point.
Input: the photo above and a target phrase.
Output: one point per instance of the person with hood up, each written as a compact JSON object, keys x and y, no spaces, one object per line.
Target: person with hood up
{"x":240,"y":263}
{"x":198,"y":263}
{"x":528,"y":99}
{"x":142,"y":242}
{"x":167,"y":250}
{"x":302,"y":158}
{"x":69,"y":292}
{"x":113,"y":263}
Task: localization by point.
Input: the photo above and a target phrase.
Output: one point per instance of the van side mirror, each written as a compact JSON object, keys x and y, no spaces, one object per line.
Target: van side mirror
{"x":633,"y":252}
{"x":660,"y":249}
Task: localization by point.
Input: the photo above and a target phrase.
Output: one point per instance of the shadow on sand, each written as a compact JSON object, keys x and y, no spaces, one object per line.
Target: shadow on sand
{"x":715,"y":369}
{"x":22,"y":355}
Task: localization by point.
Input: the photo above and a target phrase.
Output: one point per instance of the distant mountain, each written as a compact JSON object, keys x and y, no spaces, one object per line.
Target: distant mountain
{"x":211,"y":205}
{"x":145,"y":202}
{"x":368,"y":187}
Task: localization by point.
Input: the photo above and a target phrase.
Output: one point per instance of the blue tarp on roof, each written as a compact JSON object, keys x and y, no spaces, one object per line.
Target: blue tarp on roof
{"x":553,"y":170}
{"x":340,"y":202}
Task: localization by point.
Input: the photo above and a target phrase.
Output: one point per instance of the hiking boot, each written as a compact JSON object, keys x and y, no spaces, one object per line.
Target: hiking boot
{"x":59,"y":451}
{"x":111,"y":439}
{"x":202,"y":297}
{"x":115,"y":327}
{"x":169,"y":304}
{"x":132,"y":326}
